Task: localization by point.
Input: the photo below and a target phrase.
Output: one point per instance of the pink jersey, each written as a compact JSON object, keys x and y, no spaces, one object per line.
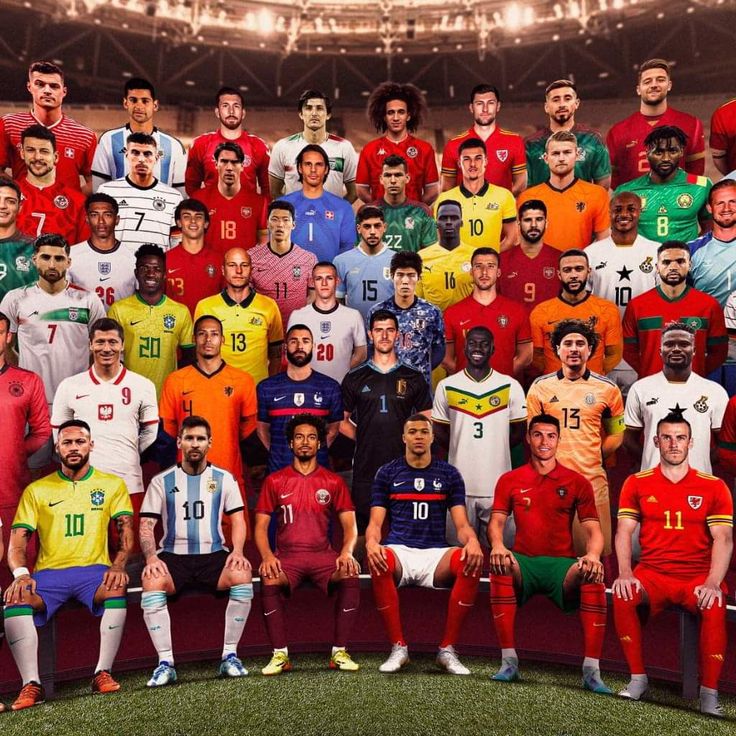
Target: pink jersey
{"x":418,"y":154}
{"x":75,"y":145}
{"x":304,"y":505}
{"x":55,"y":209}
{"x":201,"y":170}
{"x":190,"y":277}
{"x":625,"y":141}
{"x":529,"y":280}
{"x":285,"y":278}
{"x":22,"y":404}
{"x":233,"y":222}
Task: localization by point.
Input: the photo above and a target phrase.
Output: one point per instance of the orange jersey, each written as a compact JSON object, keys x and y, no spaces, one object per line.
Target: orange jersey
{"x":602,"y":315}
{"x":574,"y":214}
{"x":588,"y":408}
{"x":226,"y":399}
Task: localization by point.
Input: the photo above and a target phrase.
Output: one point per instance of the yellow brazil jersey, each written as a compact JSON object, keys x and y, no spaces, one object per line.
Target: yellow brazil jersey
{"x":72,"y":517}
{"x":250,"y":327}
{"x":446,"y":274}
{"x":483,"y":213}
{"x":588,"y":409}
{"x":152,"y":335}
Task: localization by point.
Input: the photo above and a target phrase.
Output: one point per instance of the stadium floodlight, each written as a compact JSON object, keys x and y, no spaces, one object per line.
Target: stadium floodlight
{"x":513,"y":16}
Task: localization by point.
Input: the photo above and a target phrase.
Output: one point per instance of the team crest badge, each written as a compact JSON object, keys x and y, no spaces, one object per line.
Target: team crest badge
{"x":502,"y":155}
{"x":97,"y":497}
{"x":437,"y":484}
{"x":466,"y":267}
{"x":296,"y":272}
{"x":662,"y":210}
{"x":695,"y":502}
{"x":256,"y":321}
{"x":104,"y":267}
{"x":298,"y":399}
{"x":382,"y":151}
{"x":412,"y":152}
{"x":589,"y":399}
{"x":646,"y":266}
{"x":228,"y":391}
{"x":61,"y":202}
{"x":562,"y":492}
{"x":548,"y":272}
{"x":159,"y":204}
{"x":169,"y":321}
{"x":386,"y":273}
{"x":401,"y":387}
{"x":211,"y":485}
{"x":22,"y":264}
{"x":580,"y":206}
{"x":643,"y":202}
{"x":322,"y":496}
{"x":69,"y":152}
{"x":329,"y":215}
{"x":317,"y":397}
{"x":492,"y":206}
{"x":325,"y":327}
{"x":695,"y":322}
{"x":409,"y":222}
{"x":16,"y":389}
{"x":247,"y":160}
{"x":684,"y":201}
{"x":105,"y":412}
{"x":73,"y":314}
{"x":246,"y":211}
{"x":502,"y":320}
{"x":419,"y":484}
{"x":701,"y":405}
{"x":494,"y":401}
{"x":211,"y":270}
{"x":420,"y":324}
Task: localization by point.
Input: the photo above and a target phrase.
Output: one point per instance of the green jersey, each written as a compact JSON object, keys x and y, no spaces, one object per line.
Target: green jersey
{"x":16,"y":266}
{"x":409,"y":226}
{"x":671,"y":211}
{"x":593,"y":163}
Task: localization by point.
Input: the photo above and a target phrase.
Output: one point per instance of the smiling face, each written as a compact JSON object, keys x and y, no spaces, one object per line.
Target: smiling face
{"x":106,"y":348}
{"x":574,"y":351}
{"x":625,"y":210}
{"x":150,"y":272}
{"x":478,"y":348}
{"x":9,"y":206}
{"x":654,"y":84}
{"x":193,"y":224}
{"x":39,"y":156}
{"x":543,"y":440}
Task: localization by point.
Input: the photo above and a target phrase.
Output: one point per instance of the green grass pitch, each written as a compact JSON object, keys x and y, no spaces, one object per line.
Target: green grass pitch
{"x":314,"y":701}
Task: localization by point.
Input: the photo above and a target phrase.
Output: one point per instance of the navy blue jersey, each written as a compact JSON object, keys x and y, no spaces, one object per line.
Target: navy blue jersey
{"x":417,"y":500}
{"x":281,"y":397}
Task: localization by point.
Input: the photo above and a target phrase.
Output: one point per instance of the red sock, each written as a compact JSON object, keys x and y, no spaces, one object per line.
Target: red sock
{"x":346,"y":609}
{"x":387,"y":600}
{"x":712,"y":644}
{"x":593,"y":617}
{"x":273,"y":614}
{"x":628,"y":628}
{"x":503,"y":609}
{"x":462,"y":599}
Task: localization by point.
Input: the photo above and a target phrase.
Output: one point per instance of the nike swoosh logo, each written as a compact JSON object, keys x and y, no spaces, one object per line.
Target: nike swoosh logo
{"x":324,"y":337}
{"x":15,"y":641}
{"x":113,"y":627}
{"x":598,"y":626}
{"x":56,"y":503}
{"x":466,"y":605}
{"x":464,"y":322}
{"x":347,"y":610}
{"x":286,"y":495}
{"x":184,"y":393}
{"x":279,"y":398}
{"x":132,"y":324}
{"x":524,"y":490}
{"x":268,"y":613}
{"x":172,"y":270}
{"x":498,"y":615}
{"x":400,"y":483}
{"x":81,"y":396}
{"x":107,"y":278}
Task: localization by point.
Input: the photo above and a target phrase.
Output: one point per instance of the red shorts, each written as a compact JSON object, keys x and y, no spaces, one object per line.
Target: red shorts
{"x":666,"y":590}
{"x":318,"y":567}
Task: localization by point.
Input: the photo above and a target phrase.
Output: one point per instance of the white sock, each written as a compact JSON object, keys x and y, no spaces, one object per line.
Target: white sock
{"x":111,"y":633}
{"x":335,"y":650}
{"x":23,"y":641}
{"x":591,"y":662}
{"x":639,"y":678}
{"x":509,"y":653}
{"x":236,"y":615}
{"x":285,"y":651}
{"x":158,"y":622}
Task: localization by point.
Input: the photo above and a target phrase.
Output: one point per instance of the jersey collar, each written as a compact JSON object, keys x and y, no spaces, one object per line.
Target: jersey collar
{"x":564,"y":189}
{"x":394,"y":367}
{"x":114,"y":249}
{"x":157,"y":304}
{"x":485,"y":378}
{"x":220,"y":368}
{"x":677,"y":298}
{"x":326,"y":311}
{"x":86,"y":476}
{"x":468,"y":194}
{"x":142,"y":189}
{"x":114,"y":382}
{"x":584,"y":377}
{"x":232,"y":303}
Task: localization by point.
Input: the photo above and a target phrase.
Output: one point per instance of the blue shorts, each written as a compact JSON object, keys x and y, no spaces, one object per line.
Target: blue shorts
{"x":56,"y":587}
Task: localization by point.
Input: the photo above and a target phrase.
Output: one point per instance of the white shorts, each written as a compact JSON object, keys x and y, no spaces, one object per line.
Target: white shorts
{"x":418,"y":565}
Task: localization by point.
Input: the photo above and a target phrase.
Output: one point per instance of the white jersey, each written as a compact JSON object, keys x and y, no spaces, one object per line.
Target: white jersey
{"x":652,"y":398}
{"x":479,"y":414}
{"x":122,"y":415}
{"x":336,"y":332}
{"x":110,"y":163}
{"x":343,"y":162}
{"x":109,"y":273}
{"x":191,"y":507}
{"x":53,"y":330}
{"x":146,"y":213}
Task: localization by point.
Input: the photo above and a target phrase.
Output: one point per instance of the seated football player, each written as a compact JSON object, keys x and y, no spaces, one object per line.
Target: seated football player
{"x":686,"y":537}
{"x":189,"y":500}
{"x":304,"y":496}
{"x":544,"y":496}
{"x":415,"y":492}
{"x":70,"y":510}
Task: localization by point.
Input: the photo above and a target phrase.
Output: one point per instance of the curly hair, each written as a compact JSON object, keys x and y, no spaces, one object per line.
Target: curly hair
{"x":387,"y":91}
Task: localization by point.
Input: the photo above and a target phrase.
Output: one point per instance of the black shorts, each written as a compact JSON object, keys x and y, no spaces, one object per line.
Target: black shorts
{"x":361,"y":493}
{"x":199,"y":570}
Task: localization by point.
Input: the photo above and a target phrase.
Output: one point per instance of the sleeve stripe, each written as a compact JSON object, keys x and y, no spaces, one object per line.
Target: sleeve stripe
{"x":232,"y":511}
{"x":721,"y":522}
{"x":122,"y":513}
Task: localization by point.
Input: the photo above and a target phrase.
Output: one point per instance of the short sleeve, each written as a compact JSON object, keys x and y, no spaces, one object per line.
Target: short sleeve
{"x":628,"y":504}
{"x":186,"y":329}
{"x":276,"y":164}
{"x":602,"y":219}
{"x":232,"y":499}
{"x":8,"y":307}
{"x":456,"y":497}
{"x":380,"y":489}
{"x":585,"y":502}
{"x":508,"y":207}
{"x":148,"y":412}
{"x":360,"y":339}
{"x":26,"y":515}
{"x":720,"y":511}
{"x":153,"y":501}
{"x":502,"y":496}
{"x":275,"y":326}
{"x":517,"y":402}
{"x":267,"y":498}
{"x":351,"y":163}
{"x":633,"y":418}
{"x":440,"y":408}
{"x":343,"y":501}
{"x":120,"y":504}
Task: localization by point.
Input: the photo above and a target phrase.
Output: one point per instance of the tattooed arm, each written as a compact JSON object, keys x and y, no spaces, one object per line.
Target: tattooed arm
{"x":116,"y":577}
{"x":154,"y":567}
{"x":17,"y":557}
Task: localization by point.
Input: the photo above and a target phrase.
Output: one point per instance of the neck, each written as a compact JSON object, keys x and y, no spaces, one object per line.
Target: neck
{"x":311,"y":192}
{"x":561,"y":182}
{"x":315,"y":136}
{"x":574,"y":373}
{"x":371,"y":250}
{"x":542,"y":466}
{"x":146,"y":128}
{"x":421,"y":460}
{"x":192,"y":245}
{"x":653,"y":110}
{"x":675,"y":473}
{"x":450,"y":243}
{"x":719,"y":233}
{"x":531,"y":250}
{"x":229,"y":190}
{"x":143,"y":182}
{"x":655,"y":178}
{"x":404,"y":301}
{"x":325,"y":303}
{"x":305,"y":467}
{"x":474,"y":185}
{"x":104,"y":244}
{"x":554,"y":126}
{"x":672,"y":292}
{"x":298,"y":372}
{"x":229,"y":134}
{"x":9,"y":231}
{"x":46,"y":116}
{"x":385,"y":361}
{"x":677,"y":375}
{"x":107,"y":372}
{"x":280,"y":246}
{"x":566,"y":296}
{"x":42,"y":181}
{"x":53,"y":288}
{"x":395,"y":200}
{"x":627,"y":238}
{"x":484,"y":131}
{"x":194,"y":468}
{"x":209,"y":365}
{"x":77,"y":474}
{"x":152,"y":298}
{"x":397,"y":137}
{"x":485,"y":296}
{"x":238,"y":293}
{"x":478,"y":372}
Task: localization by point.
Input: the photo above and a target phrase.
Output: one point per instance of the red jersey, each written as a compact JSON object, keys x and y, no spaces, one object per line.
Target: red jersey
{"x":646,"y":316}
{"x":22,"y":404}
{"x":506,"y":319}
{"x":727,"y":438}
{"x":304,"y":505}
{"x":723,"y":132}
{"x":285,"y":278}
{"x":544,"y":507}
{"x":55,"y":209}
{"x":75,"y":145}
{"x":418,"y":154}
{"x":675,"y":518}
{"x":233,"y":222}
{"x":505,"y":151}
{"x":202,"y":172}
{"x":625,"y":141}
{"x":529,"y":280}
{"x":190,"y":277}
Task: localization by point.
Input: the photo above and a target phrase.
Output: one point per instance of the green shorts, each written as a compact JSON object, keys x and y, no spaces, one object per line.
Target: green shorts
{"x":546,"y":575}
